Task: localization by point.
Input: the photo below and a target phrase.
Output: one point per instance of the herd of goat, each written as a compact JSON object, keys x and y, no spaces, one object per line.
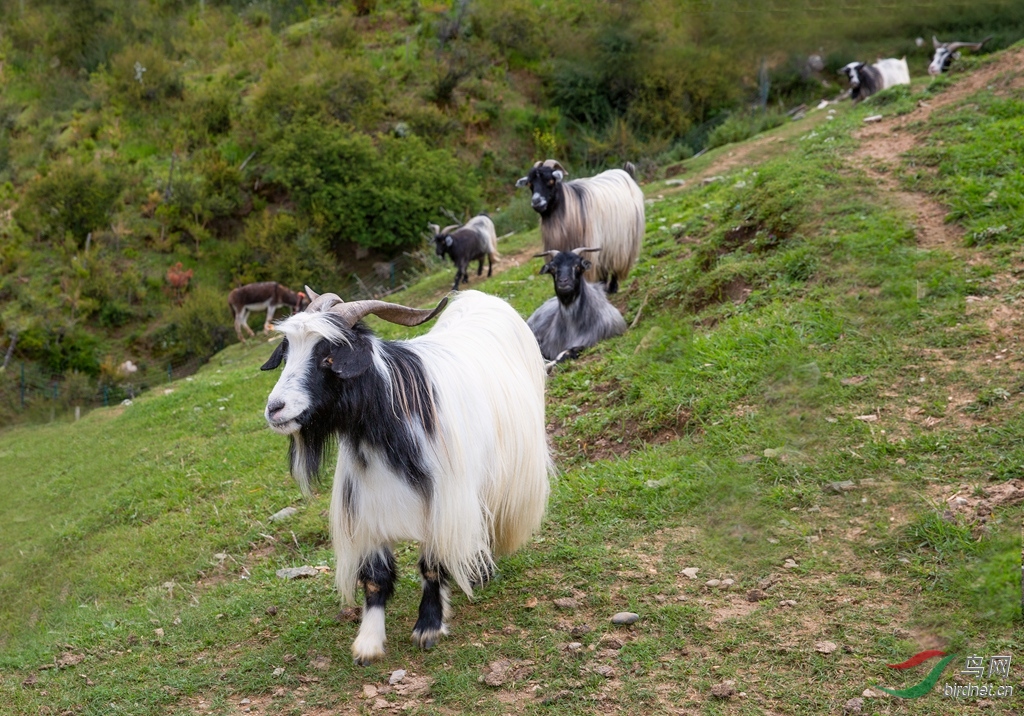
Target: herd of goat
{"x":441,"y":438}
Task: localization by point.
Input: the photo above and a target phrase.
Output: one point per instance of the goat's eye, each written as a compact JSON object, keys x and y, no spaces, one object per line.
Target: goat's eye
{"x":327,"y":362}
{"x":551,"y":182}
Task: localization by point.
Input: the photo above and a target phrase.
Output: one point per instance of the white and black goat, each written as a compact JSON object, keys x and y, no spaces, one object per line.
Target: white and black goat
{"x":473,"y":241}
{"x":579,"y":315}
{"x":946,"y":52}
{"x":441,"y":439}
{"x":866,"y":80}
{"x":264,"y":296}
{"x":604,"y":211}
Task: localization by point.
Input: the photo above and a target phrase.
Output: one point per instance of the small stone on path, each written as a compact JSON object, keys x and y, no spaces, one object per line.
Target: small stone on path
{"x":712,"y":582}
{"x":724,"y":690}
{"x":625,"y":618}
{"x":283,"y":514}
{"x":297,"y":572}
{"x":841,"y":486}
{"x":788,"y":603}
{"x":396,"y":676}
{"x":790,"y":563}
{"x":691,"y":572}
{"x":853,"y":706}
{"x":755,"y":595}
{"x":566,"y":603}
{"x":726,"y":583}
{"x":825,"y":647}
{"x":605,"y":670}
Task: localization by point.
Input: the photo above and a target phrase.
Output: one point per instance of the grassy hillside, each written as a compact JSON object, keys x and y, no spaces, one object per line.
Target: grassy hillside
{"x":820,"y":400}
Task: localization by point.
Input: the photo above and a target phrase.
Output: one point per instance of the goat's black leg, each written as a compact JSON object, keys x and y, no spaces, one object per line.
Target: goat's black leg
{"x":455,"y":286}
{"x":490,"y":265}
{"x":613,"y":283}
{"x":377,"y":575}
{"x":434,"y":606}
{"x":480,"y":267}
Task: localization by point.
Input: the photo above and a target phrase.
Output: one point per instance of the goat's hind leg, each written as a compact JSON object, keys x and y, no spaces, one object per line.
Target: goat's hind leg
{"x":377,"y":575}
{"x":434,"y":606}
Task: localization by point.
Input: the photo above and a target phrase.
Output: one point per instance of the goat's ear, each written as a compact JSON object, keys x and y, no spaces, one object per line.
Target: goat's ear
{"x":276,"y":357}
{"x":522,"y":182}
{"x":586,"y":265}
{"x":558,"y":175}
{"x":546,"y":268}
{"x":448,"y":241}
{"x":351,"y":361}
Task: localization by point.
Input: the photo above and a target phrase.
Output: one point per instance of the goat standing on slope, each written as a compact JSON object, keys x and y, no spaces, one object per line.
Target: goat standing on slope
{"x":473,"y":241}
{"x":441,"y":439}
{"x":266,"y":296}
{"x":579,"y":315}
{"x":605,"y":211}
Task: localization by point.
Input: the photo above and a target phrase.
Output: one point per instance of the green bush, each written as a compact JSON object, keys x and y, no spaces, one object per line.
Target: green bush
{"x":378,"y":195}
{"x":199,"y":327}
{"x":743,"y":126}
{"x":141,"y":74}
{"x":277,"y":247}
{"x":61,"y":349}
{"x":70,"y":198}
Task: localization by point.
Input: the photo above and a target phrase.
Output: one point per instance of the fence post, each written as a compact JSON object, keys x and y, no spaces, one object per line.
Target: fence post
{"x":55,"y":391}
{"x":170,"y":372}
{"x":106,"y":396}
{"x":23,"y":385}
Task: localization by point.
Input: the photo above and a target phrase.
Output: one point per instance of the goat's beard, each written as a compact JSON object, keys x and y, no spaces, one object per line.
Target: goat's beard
{"x":306,"y":456}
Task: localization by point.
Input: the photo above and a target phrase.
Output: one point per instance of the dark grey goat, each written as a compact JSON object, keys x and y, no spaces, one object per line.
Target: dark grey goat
{"x":579,"y":315}
{"x":473,"y":241}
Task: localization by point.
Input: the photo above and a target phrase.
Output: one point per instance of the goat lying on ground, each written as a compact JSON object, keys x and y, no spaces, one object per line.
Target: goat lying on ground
{"x":441,"y":440}
{"x":473,"y":241}
{"x":579,"y":315}
{"x":946,"y":52}
{"x":266,"y":296}
{"x":605,"y":211}
{"x":866,"y":80}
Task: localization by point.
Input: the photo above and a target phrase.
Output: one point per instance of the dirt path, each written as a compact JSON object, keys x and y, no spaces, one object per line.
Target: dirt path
{"x":884,"y":143}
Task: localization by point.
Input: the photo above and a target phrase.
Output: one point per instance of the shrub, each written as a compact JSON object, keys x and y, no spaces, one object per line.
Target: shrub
{"x":70,"y":198}
{"x":378,"y":195}
{"x":743,"y":126}
{"x":141,"y":74}
{"x":277,"y":247}
{"x":200,"y":326}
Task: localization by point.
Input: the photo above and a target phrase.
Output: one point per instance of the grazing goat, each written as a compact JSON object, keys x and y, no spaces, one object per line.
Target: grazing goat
{"x":579,"y":315}
{"x":473,"y":241}
{"x":866,"y":80}
{"x":605,"y":211}
{"x":266,"y":296}
{"x":441,"y":439}
{"x":946,"y":52}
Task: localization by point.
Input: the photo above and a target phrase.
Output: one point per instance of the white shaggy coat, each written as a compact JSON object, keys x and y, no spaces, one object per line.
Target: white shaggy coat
{"x":604,"y":211}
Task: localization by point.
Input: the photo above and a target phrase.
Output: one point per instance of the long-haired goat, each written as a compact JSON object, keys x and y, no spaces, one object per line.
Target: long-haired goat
{"x":946,"y":52}
{"x":579,"y":315}
{"x":474,"y":240}
{"x":604,"y":211}
{"x":441,"y":439}
{"x":866,"y":80}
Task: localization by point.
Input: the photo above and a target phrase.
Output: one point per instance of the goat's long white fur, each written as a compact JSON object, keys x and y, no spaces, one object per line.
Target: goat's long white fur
{"x":604,"y":211}
{"x":489,"y":458}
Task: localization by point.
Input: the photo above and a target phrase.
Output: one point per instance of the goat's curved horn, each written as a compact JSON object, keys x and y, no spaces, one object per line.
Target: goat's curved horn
{"x":954,"y":46}
{"x":537,"y":164}
{"x":449,"y":229}
{"x":935,"y":42}
{"x":323,"y":302}
{"x":546,"y":254}
{"x":434,"y":229}
{"x":555,"y":164}
{"x":313,"y":295}
{"x":584,"y":249}
{"x":354,"y":312}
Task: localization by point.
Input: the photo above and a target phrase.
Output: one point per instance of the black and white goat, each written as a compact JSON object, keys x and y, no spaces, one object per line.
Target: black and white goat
{"x":441,"y":439}
{"x":604,"y":211}
{"x":866,"y":80}
{"x":946,"y":52}
{"x":579,"y":315}
{"x":473,"y":241}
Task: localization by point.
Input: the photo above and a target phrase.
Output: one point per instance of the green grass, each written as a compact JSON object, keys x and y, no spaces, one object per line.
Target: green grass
{"x":781,"y":306}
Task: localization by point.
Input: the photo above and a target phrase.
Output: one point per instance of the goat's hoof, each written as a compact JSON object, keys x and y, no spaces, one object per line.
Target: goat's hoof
{"x":428,"y":638}
{"x":364,"y":654}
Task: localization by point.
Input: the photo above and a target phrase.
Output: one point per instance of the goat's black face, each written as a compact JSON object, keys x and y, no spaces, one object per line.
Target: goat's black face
{"x":567,"y":270}
{"x":314,"y":376}
{"x":442,"y":244}
{"x":545,"y":183}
